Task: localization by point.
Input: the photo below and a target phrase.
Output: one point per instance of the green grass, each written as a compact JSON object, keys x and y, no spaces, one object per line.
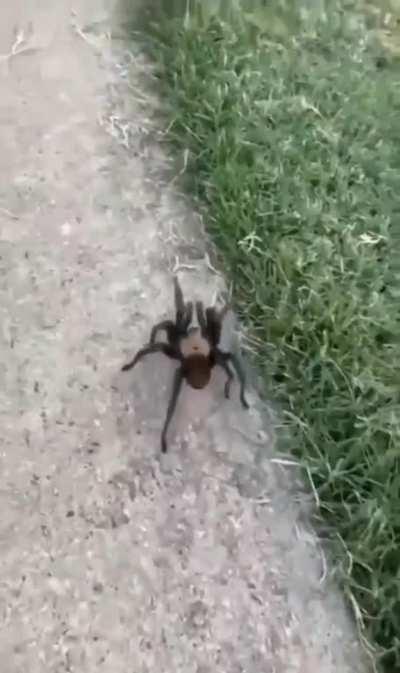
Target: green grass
{"x":292,"y":140}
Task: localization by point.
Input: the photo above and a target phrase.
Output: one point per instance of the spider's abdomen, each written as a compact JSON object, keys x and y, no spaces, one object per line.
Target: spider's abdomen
{"x":197,"y":369}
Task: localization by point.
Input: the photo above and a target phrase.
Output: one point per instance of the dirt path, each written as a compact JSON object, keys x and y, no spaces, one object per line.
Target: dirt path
{"x":111,"y":560}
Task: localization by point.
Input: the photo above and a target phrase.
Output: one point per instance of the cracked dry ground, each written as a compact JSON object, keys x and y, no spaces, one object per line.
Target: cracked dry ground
{"x":110,"y":559}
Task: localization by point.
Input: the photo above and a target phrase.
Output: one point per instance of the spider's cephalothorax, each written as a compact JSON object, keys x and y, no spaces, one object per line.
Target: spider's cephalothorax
{"x":196,"y":348}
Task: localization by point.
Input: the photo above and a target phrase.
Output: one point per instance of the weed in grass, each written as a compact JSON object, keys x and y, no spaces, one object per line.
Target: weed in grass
{"x":293,"y":146}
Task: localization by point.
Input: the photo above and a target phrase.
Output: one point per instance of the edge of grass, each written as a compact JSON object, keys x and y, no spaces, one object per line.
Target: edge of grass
{"x":291,"y":135}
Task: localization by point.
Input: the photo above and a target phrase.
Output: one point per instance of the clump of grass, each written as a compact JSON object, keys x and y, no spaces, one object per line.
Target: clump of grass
{"x":293,"y":146}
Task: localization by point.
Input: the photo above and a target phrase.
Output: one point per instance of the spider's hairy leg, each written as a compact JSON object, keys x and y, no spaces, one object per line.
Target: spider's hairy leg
{"x":147,"y":350}
{"x":184,"y":312}
{"x":241,"y":376}
{"x":222,"y":359}
{"x":176,"y":387}
{"x":164,"y":325}
{"x":179,"y":303}
{"x":213,"y":329}
{"x":225,"y":366}
{"x":188,"y":315}
{"x":201,"y":317}
{"x":214,"y":323}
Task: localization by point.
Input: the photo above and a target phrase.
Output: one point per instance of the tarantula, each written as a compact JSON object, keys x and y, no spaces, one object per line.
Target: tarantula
{"x":196,"y":348}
